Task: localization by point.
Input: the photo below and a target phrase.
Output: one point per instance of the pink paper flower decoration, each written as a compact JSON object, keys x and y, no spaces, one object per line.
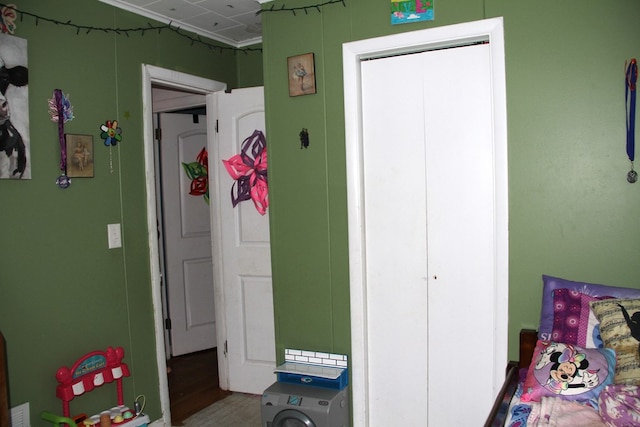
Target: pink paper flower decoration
{"x":249,"y":170}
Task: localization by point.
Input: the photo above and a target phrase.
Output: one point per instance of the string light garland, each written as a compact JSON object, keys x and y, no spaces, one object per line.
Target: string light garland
{"x":304,"y":8}
{"x":126,"y":31}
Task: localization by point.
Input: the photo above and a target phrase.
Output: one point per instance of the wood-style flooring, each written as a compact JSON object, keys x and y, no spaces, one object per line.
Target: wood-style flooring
{"x":193,"y":384}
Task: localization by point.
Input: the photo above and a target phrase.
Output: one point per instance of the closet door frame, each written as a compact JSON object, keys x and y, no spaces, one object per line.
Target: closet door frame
{"x":488,"y":30}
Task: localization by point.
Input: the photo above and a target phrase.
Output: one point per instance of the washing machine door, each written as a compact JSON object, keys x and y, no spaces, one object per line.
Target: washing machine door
{"x":292,"y":418}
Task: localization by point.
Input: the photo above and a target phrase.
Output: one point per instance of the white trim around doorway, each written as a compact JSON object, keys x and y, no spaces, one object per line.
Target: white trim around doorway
{"x":168,"y":78}
{"x":489,"y":30}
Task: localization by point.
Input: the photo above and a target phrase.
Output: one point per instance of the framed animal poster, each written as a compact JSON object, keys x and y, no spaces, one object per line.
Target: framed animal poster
{"x":405,"y":11}
{"x":302,"y":74}
{"x":15,"y":155}
{"x":79,"y":155}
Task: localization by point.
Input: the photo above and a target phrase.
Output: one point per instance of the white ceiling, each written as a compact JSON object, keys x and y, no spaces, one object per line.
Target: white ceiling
{"x":233,"y":22}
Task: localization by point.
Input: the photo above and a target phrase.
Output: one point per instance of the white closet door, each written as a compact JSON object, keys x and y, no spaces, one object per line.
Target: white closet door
{"x":429,"y":227}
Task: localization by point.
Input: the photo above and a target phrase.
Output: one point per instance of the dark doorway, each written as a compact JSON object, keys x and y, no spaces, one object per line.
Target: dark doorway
{"x":193,"y":384}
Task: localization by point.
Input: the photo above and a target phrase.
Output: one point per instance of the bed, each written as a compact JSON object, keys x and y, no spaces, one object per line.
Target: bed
{"x":581,"y":366}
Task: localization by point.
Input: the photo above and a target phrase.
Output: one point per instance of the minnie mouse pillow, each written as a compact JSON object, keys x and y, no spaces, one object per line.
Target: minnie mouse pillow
{"x":568,"y":372}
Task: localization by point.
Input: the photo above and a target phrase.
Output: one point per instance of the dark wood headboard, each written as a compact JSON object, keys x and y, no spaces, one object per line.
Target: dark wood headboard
{"x":528,"y":340}
{"x":4,"y":385}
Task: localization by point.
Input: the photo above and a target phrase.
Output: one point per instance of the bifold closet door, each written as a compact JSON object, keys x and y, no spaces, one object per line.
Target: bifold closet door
{"x":429,"y":227}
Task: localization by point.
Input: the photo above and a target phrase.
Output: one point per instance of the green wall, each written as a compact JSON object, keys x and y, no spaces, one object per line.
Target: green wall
{"x":63,"y":293}
{"x":572,"y":214}
{"x":249,"y":67}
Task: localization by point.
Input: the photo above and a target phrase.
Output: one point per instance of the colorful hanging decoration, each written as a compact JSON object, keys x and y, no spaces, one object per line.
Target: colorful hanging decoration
{"x":7,"y":18}
{"x":66,"y":109}
{"x":198,"y":173}
{"x":249,"y":170}
{"x":111,"y":133}
{"x":631,"y":79}
{"x":61,"y":112}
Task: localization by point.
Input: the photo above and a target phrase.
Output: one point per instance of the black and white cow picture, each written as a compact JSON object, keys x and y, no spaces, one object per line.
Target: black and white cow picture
{"x":14,"y":130}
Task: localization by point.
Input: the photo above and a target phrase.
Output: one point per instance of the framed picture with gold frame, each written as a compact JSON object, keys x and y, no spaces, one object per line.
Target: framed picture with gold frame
{"x":302,"y":74}
{"x":79,"y":155}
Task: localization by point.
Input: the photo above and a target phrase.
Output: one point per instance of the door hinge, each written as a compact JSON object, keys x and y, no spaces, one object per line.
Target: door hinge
{"x":167,"y":324}
{"x":158,"y":133}
{"x":225,"y":348}
{"x":216,"y":126}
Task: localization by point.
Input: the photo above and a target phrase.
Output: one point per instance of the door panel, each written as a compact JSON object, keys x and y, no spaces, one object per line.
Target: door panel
{"x":460,"y":228}
{"x":187,"y":238}
{"x":428,"y":170}
{"x":244,"y":254}
{"x":396,"y":308}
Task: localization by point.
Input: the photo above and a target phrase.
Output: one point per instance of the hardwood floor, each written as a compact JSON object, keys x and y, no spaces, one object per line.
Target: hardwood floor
{"x":193,"y":384}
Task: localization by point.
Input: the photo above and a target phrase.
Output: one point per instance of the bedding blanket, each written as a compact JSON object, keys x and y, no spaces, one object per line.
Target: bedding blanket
{"x":551,"y":411}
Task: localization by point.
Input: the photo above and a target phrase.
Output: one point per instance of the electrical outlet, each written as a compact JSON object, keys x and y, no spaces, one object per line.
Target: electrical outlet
{"x":114,"y":237}
{"x":20,"y":416}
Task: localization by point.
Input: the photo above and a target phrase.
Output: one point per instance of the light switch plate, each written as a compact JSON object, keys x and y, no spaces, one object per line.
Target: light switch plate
{"x":114,"y":237}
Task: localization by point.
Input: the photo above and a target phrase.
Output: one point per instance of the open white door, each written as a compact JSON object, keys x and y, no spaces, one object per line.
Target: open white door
{"x":187,"y":237}
{"x":242,"y":254}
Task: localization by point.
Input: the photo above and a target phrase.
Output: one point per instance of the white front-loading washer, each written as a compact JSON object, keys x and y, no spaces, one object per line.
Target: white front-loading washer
{"x":295,"y":405}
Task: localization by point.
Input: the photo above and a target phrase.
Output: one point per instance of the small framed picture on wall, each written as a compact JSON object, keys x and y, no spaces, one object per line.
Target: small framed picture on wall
{"x":406,"y":11}
{"x":302,"y":74}
{"x":79,"y":155}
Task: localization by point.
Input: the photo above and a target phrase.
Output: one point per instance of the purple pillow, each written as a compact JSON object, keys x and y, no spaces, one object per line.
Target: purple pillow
{"x":567,"y":306}
{"x":550,"y":284}
{"x":568,"y":372}
{"x":573,"y":322}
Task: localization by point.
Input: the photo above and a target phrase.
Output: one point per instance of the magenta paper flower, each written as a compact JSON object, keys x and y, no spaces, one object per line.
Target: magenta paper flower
{"x":249,"y":170}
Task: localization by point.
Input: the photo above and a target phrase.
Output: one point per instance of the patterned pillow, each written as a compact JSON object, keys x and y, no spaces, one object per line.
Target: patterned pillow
{"x":592,"y":333}
{"x":566,"y":316}
{"x":568,"y":372}
{"x":573,"y":322}
{"x":620,"y":330}
{"x":550,"y":284}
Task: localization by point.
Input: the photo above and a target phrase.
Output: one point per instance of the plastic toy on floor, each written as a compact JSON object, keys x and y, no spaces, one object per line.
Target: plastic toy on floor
{"x":90,"y":371}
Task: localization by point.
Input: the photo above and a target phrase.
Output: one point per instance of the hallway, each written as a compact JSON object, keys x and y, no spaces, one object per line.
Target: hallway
{"x":193,"y":384}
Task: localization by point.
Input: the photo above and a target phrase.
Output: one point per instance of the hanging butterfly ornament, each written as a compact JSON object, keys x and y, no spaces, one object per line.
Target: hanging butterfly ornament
{"x":61,"y":112}
{"x":111,"y":134}
{"x":249,"y":170}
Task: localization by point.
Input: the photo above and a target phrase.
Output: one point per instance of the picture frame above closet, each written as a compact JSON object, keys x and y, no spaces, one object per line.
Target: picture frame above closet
{"x":302,"y":74}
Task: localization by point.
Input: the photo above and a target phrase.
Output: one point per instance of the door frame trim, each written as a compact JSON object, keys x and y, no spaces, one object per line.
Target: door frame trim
{"x":174,"y":79}
{"x":353,"y":53}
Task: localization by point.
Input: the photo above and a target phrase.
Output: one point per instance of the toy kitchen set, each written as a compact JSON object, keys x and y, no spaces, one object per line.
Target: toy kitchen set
{"x":312,"y":390}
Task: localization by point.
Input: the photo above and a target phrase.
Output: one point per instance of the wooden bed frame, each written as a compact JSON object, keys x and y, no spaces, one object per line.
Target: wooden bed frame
{"x":498,"y":415}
